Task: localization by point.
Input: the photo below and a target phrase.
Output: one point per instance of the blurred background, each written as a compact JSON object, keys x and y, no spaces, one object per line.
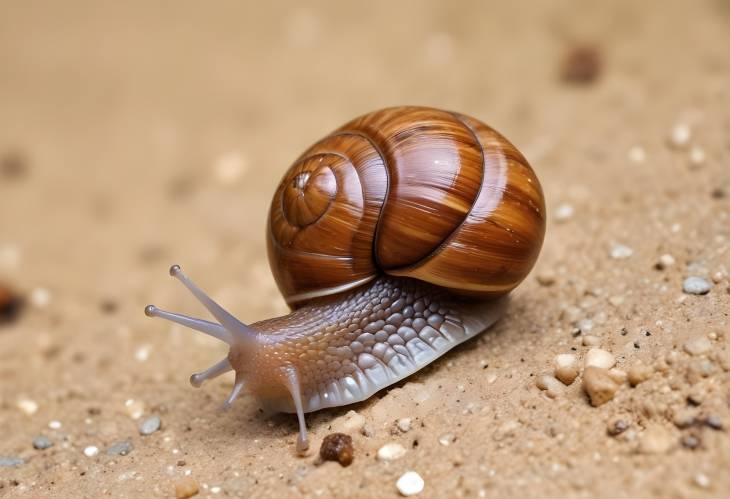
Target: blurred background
{"x":138,"y":134}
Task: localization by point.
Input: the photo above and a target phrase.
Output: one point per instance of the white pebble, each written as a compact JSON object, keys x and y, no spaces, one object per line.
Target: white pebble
{"x":666,"y":260}
{"x":391,"y":451}
{"x":637,"y":154}
{"x":91,"y":451}
{"x":40,"y":297}
{"x":563,"y":212}
{"x":696,"y":157}
{"x":353,"y":422}
{"x":680,"y":135}
{"x":447,"y":439}
{"x":27,"y":406}
{"x":696,"y":286}
{"x":134,"y":408}
{"x":410,"y":483}
{"x":55,"y":424}
{"x":621,"y":251}
{"x":566,"y":367}
{"x":142,"y":353}
{"x":215,"y":489}
{"x":552,"y":387}
{"x":598,"y":357}
{"x":404,"y":424}
{"x":702,"y":480}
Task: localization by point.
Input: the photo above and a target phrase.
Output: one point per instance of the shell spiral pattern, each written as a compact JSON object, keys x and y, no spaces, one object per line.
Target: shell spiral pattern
{"x":412,"y":192}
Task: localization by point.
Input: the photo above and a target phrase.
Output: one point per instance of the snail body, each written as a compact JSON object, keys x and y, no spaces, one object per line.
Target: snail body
{"x":393,"y":239}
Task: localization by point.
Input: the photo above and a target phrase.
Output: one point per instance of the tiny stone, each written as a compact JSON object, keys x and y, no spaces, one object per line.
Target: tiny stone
{"x":404,"y":424}
{"x":10,"y":304}
{"x":696,"y":156}
{"x":337,"y":447}
{"x":150,"y":425}
{"x":698,"y":346}
{"x":684,"y":418}
{"x":120,"y":449}
{"x":664,"y":261}
{"x":655,"y":440}
{"x":546,"y":278}
{"x":638,"y":373}
{"x":11,"y":462}
{"x":702,"y":480}
{"x":621,"y":251}
{"x":552,"y":387}
{"x":598,"y":357}
{"x":42,"y":442}
{"x":91,"y":451}
{"x":590,"y":340}
{"x":599,"y":385}
{"x":186,"y":487}
{"x":696,"y":286}
{"x":636,"y":154}
{"x":617,"y":426}
{"x":410,"y":483}
{"x":391,"y":451}
{"x":618,"y":375}
{"x":40,"y":297}
{"x":714,"y":422}
{"x":680,"y":136}
{"x":54,"y":425}
{"x":27,"y":406}
{"x":689,"y":441}
{"x":582,"y":64}
{"x":696,"y":396}
{"x":134,"y":408}
{"x":447,"y":439}
{"x":353,"y":422}
{"x":566,"y":367}
{"x":585,"y":325}
{"x":563,"y":212}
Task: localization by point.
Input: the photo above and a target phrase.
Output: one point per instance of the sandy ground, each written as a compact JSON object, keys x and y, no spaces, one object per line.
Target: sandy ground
{"x":133,"y":136}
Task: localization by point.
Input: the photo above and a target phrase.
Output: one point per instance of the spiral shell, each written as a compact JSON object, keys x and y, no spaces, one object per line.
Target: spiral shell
{"x":408,"y":191}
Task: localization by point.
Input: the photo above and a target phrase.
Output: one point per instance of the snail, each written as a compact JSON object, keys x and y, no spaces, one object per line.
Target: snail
{"x":393,"y":239}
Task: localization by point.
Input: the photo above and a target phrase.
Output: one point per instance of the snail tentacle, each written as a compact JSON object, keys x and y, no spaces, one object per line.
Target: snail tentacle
{"x":213,"y":371}
{"x":210,"y":328}
{"x":237,"y":387}
{"x":294,"y":387}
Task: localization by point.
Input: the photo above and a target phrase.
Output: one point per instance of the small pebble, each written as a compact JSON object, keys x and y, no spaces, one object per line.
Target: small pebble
{"x":150,"y":425}
{"x":447,"y":439}
{"x":689,"y":441}
{"x":638,"y":373}
{"x":55,"y":425}
{"x":91,"y":451}
{"x":552,"y":387}
{"x":566,"y":367}
{"x":563,"y":212}
{"x":11,"y":462}
{"x":680,"y":136}
{"x":655,"y":440}
{"x":618,"y":375}
{"x":714,"y":422}
{"x":696,"y":286}
{"x":684,"y":418}
{"x":665,"y":261}
{"x":702,"y":480}
{"x":616,"y":426}
{"x":120,"y":449}
{"x":40,"y":297}
{"x":186,"y":487}
{"x":582,"y":64}
{"x":621,"y":252}
{"x":546,"y":278}
{"x":598,"y":357}
{"x":404,"y":424}
{"x":391,"y":451}
{"x":352,"y":423}
{"x":134,"y":408}
{"x":636,"y":154}
{"x":599,"y":385}
{"x":337,"y":447}
{"x":410,"y":483}
{"x":696,"y":157}
{"x":27,"y":406}
{"x":42,"y":442}
{"x":698,"y":346}
{"x":590,"y":340}
{"x":10,"y":304}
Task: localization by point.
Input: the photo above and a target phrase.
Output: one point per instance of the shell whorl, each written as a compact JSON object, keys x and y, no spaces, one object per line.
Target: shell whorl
{"x":408,"y":191}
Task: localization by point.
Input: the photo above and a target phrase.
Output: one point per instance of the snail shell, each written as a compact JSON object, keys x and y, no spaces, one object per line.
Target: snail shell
{"x":407,"y":191}
{"x":393,"y":239}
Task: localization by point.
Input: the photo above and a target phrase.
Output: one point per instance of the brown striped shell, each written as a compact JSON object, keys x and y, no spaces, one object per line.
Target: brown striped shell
{"x":407,"y":191}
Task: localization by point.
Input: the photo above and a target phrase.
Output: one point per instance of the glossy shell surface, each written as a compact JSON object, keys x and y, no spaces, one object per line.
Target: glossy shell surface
{"x":407,"y":191}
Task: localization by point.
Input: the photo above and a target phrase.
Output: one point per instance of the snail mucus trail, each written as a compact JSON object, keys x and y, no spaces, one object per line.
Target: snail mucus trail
{"x":393,"y":239}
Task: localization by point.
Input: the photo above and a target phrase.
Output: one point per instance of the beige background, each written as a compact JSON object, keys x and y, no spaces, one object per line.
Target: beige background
{"x":156,"y":132}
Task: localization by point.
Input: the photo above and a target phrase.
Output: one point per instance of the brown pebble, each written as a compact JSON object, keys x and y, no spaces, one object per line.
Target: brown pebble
{"x":582,"y":64}
{"x":186,"y":487}
{"x":638,"y":373}
{"x":13,"y":165}
{"x":10,"y":304}
{"x":337,"y":447}
{"x":599,"y":385}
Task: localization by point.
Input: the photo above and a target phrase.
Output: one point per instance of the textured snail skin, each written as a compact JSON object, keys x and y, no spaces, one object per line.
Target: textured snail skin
{"x":393,"y":239}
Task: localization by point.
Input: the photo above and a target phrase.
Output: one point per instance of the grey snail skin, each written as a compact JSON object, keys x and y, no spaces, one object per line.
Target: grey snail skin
{"x":393,"y":239}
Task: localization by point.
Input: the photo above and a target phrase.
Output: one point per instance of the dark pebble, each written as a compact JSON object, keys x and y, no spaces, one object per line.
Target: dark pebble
{"x":42,"y":442}
{"x":337,"y":447}
{"x":10,"y":304}
{"x":582,"y":64}
{"x":617,"y":427}
{"x":120,"y":449}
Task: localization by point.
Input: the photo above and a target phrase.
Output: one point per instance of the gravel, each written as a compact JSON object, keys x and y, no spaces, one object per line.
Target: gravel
{"x":391,"y":451}
{"x":410,"y":483}
{"x":150,"y":425}
{"x":599,"y":385}
{"x":598,"y":357}
{"x":566,"y":367}
{"x":696,"y":286}
{"x":638,"y":373}
{"x":11,"y":461}
{"x":665,"y":261}
{"x":404,"y":424}
{"x":42,"y":442}
{"x":186,"y":487}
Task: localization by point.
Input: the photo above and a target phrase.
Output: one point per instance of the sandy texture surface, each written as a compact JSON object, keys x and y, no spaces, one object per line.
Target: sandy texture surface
{"x":133,"y":136}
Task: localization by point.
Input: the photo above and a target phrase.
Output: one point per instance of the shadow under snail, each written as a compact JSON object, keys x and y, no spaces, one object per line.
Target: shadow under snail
{"x":393,"y":239}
